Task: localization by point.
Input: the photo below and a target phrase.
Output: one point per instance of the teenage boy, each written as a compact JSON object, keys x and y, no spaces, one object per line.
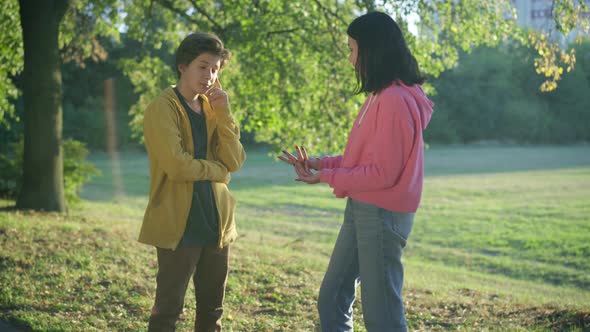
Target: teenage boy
{"x":193,"y":144}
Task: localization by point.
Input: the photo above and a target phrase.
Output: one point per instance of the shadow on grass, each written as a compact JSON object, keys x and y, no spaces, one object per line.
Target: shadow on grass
{"x":13,"y":325}
{"x":473,"y":309}
{"x":511,"y":266}
{"x":8,"y":208}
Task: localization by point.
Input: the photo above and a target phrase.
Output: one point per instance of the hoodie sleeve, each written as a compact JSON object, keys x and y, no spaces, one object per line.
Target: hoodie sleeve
{"x":163,"y":143}
{"x":330,"y":162}
{"x":390,"y":145}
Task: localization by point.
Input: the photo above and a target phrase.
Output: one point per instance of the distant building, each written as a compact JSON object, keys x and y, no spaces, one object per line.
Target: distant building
{"x":537,"y":14}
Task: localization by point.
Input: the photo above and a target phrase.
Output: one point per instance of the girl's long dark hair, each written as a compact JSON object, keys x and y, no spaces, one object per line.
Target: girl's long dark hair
{"x":383,"y":55}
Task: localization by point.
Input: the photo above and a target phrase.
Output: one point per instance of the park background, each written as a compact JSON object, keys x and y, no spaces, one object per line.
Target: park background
{"x":502,"y":237}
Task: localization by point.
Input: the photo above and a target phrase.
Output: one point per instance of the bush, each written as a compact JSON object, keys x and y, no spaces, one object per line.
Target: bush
{"x":493,"y":95}
{"x":11,"y":166}
{"x":77,"y":170}
{"x":441,"y":130}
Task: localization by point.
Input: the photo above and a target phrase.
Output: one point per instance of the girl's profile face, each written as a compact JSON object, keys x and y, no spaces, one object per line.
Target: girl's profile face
{"x":353,"y":46}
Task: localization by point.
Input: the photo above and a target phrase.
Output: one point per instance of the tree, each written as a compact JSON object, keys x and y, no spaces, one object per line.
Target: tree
{"x":290,"y":81}
{"x":46,"y":40}
{"x":43,"y":157}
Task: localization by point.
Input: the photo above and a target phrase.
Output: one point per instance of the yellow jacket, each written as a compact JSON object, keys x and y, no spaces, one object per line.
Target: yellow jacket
{"x":173,"y":169}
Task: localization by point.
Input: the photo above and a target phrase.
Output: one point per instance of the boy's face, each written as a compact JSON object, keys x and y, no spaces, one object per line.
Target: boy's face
{"x":201,"y":73}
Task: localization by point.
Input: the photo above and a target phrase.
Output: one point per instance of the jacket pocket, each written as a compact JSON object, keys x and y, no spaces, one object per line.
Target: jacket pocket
{"x":226,"y":205}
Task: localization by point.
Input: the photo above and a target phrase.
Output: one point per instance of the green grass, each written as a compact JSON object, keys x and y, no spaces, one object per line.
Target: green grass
{"x":501,"y":243}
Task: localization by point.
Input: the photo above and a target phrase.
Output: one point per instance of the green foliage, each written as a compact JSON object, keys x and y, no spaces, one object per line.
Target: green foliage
{"x":86,"y":121}
{"x":147,"y":75}
{"x":491,"y":95}
{"x":288,"y":73}
{"x":450,"y":27}
{"x":289,"y":81}
{"x":569,"y":104}
{"x":83,"y":103}
{"x":83,"y":23}
{"x":78,"y":41}
{"x":11,"y":58}
{"x":10,"y":173}
{"x":83,"y":99}
{"x":77,"y":170}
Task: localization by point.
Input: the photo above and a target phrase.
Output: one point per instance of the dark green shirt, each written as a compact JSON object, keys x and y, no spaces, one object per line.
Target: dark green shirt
{"x":202,"y":227}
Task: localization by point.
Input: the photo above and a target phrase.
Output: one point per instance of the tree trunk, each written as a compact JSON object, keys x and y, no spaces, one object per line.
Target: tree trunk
{"x":43,"y":182}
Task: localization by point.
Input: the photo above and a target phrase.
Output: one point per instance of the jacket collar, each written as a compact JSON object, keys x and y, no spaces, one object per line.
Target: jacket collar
{"x":209,"y":113}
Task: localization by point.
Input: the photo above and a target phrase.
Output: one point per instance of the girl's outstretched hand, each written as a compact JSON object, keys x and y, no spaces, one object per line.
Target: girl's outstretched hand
{"x":311,"y":179}
{"x":302,"y":165}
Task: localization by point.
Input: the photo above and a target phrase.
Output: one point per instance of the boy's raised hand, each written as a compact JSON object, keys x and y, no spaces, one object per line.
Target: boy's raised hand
{"x":217,"y":97}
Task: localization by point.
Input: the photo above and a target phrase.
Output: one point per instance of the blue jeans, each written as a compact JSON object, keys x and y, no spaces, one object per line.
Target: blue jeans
{"x":368,"y":249}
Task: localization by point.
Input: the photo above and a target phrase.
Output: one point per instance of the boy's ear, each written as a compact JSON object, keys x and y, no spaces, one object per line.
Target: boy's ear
{"x":181,"y":68}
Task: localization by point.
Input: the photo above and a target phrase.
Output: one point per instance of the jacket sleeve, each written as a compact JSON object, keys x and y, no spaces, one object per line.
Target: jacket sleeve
{"x":390,"y":148}
{"x":163,"y":143}
{"x":229,"y":151}
{"x":330,"y":162}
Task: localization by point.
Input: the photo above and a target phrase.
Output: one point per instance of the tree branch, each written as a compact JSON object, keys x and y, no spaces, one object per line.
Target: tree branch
{"x":217,"y":27}
{"x":326,"y":10}
{"x":170,"y":6}
{"x":276,"y":32}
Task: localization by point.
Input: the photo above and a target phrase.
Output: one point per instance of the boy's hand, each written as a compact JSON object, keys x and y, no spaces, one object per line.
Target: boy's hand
{"x":217,"y":97}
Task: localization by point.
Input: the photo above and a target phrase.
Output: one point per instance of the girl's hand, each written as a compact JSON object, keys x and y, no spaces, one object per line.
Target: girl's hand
{"x":303,"y":161}
{"x":314,"y":163}
{"x":297,"y":163}
{"x":311,"y":179}
{"x":302,"y":165}
{"x":217,"y":97}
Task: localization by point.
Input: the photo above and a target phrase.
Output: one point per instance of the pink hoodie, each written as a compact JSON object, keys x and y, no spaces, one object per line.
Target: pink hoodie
{"x":383,"y":163}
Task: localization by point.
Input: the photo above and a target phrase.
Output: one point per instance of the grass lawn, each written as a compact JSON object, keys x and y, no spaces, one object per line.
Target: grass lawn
{"x":500,"y":243}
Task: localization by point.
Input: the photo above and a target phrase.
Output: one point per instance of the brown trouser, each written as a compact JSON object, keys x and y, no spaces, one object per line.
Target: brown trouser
{"x":208,"y":266}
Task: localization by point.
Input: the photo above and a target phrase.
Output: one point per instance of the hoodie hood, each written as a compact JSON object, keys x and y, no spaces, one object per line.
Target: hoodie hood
{"x":425,"y":105}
